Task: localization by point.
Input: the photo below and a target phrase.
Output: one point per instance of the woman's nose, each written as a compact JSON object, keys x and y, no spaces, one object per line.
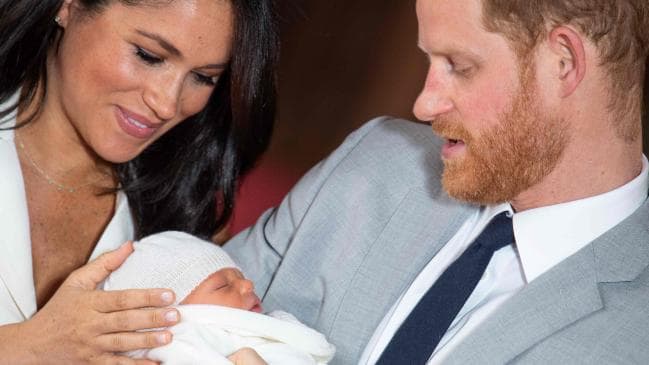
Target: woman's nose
{"x":163,"y":96}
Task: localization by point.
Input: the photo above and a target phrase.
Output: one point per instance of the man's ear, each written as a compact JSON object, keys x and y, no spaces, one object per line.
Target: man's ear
{"x":63,"y":16}
{"x":568,"y":46}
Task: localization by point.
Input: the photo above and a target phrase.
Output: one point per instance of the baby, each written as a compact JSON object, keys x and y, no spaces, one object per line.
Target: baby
{"x":220,"y":312}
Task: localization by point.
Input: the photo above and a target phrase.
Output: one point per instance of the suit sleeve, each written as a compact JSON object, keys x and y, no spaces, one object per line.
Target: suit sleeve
{"x":259,"y":249}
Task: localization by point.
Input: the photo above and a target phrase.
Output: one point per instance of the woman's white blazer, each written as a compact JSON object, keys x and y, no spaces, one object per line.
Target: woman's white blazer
{"x":17,"y":293}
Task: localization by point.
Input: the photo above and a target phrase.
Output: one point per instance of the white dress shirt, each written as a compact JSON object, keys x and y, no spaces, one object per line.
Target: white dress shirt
{"x":544,"y":237}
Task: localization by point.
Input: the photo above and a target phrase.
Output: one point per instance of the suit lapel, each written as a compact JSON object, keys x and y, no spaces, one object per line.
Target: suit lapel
{"x":414,"y":234}
{"x":15,"y":243}
{"x":560,"y":297}
{"x":552,"y":301}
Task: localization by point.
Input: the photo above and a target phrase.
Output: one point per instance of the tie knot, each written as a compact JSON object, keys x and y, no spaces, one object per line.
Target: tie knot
{"x":498,"y":233}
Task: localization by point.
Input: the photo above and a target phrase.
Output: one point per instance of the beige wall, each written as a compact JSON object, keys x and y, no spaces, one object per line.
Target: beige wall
{"x":343,"y":62}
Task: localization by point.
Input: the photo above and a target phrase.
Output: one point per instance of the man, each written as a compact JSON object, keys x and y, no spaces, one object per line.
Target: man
{"x":538,"y":106}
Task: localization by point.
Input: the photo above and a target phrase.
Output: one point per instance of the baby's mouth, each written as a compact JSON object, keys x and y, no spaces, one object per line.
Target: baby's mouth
{"x":256,"y":306}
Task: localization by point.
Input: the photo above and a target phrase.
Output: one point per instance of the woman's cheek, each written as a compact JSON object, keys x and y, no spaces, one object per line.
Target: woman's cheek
{"x":193,"y":101}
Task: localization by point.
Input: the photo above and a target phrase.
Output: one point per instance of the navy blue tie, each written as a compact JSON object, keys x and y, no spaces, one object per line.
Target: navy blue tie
{"x":416,"y":339}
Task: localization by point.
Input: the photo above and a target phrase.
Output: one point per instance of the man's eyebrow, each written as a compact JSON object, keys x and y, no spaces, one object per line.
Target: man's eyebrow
{"x":161,"y":41}
{"x":463,"y":53}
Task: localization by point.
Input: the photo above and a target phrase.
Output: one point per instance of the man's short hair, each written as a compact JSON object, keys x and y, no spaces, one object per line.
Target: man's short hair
{"x":619,"y":29}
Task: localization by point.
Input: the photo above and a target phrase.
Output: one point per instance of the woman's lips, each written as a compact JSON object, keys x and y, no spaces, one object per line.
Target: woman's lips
{"x":134,"y":125}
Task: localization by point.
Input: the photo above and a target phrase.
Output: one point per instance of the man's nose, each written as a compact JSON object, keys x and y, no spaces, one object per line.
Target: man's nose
{"x":434,"y":99}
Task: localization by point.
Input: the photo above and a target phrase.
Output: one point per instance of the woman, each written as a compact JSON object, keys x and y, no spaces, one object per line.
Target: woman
{"x":120,"y":118}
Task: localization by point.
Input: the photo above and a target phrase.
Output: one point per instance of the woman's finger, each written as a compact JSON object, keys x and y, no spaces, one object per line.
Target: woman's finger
{"x":119,"y":300}
{"x":139,"y":319}
{"x":92,"y":274}
{"x":128,"y":341}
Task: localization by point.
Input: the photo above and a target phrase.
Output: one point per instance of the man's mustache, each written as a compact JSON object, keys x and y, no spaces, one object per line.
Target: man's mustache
{"x":451,"y":129}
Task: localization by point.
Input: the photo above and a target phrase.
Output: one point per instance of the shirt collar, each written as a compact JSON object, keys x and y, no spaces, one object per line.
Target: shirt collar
{"x":546,"y":236}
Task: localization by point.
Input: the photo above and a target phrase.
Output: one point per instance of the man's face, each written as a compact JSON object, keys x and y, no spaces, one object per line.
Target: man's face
{"x":499,"y":139}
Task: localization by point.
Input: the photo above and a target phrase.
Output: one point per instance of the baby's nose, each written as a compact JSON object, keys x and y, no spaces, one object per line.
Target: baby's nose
{"x":246,"y":286}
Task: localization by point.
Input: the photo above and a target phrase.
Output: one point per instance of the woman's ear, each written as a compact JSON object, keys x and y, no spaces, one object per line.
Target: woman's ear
{"x":570,"y":61}
{"x":63,"y":16}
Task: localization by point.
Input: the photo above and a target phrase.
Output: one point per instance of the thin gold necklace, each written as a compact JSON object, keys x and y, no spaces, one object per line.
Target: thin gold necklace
{"x":44,"y":175}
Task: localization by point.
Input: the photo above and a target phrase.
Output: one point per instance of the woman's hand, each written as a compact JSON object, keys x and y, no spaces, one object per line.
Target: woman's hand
{"x":83,"y":325}
{"x":246,"y":356}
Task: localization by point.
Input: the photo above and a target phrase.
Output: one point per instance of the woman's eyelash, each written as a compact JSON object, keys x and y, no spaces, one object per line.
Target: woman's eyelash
{"x":205,"y":80}
{"x":151,"y":59}
{"x":147,"y":57}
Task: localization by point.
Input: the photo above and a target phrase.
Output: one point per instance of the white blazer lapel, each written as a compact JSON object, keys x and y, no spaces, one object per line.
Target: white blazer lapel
{"x":15,"y":242}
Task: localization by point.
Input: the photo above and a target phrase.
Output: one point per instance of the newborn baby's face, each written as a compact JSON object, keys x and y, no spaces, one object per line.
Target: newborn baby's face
{"x":226,"y":287}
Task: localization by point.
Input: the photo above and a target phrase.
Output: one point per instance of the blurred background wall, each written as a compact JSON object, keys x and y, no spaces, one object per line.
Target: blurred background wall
{"x":343,"y":63}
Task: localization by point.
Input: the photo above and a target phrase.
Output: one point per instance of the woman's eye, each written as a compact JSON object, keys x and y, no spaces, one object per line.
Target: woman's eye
{"x":205,"y":80}
{"x":147,"y":57}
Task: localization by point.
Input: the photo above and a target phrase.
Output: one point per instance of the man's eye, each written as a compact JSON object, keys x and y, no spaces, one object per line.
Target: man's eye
{"x":459,"y":68}
{"x":148,"y":57}
{"x":465,"y":70}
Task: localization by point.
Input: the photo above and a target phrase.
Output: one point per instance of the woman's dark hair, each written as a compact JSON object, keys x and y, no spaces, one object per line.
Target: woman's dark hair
{"x":187,"y":179}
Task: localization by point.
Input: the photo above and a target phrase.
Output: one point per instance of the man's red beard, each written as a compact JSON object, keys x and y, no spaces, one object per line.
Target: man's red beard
{"x":509,"y":158}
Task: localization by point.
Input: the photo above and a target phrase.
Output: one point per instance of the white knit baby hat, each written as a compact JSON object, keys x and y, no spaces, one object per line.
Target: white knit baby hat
{"x":174,"y":260}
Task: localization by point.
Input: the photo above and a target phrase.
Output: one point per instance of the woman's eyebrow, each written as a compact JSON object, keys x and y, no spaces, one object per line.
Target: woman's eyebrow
{"x":161,"y":41}
{"x":218,"y":66}
{"x":175,"y":51}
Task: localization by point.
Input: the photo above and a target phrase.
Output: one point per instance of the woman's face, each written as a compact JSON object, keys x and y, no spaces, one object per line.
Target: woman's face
{"x":125,"y":76}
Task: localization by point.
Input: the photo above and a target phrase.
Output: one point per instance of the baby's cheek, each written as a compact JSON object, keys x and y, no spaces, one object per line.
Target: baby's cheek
{"x":231,"y":299}
{"x":199,"y":297}
{"x":227,"y":297}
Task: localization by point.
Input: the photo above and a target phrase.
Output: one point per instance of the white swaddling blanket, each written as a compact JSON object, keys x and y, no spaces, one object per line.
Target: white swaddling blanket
{"x":207,"y":334}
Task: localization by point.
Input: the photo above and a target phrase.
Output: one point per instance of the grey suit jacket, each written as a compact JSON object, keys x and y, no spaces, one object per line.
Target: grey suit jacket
{"x":357,"y":229}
